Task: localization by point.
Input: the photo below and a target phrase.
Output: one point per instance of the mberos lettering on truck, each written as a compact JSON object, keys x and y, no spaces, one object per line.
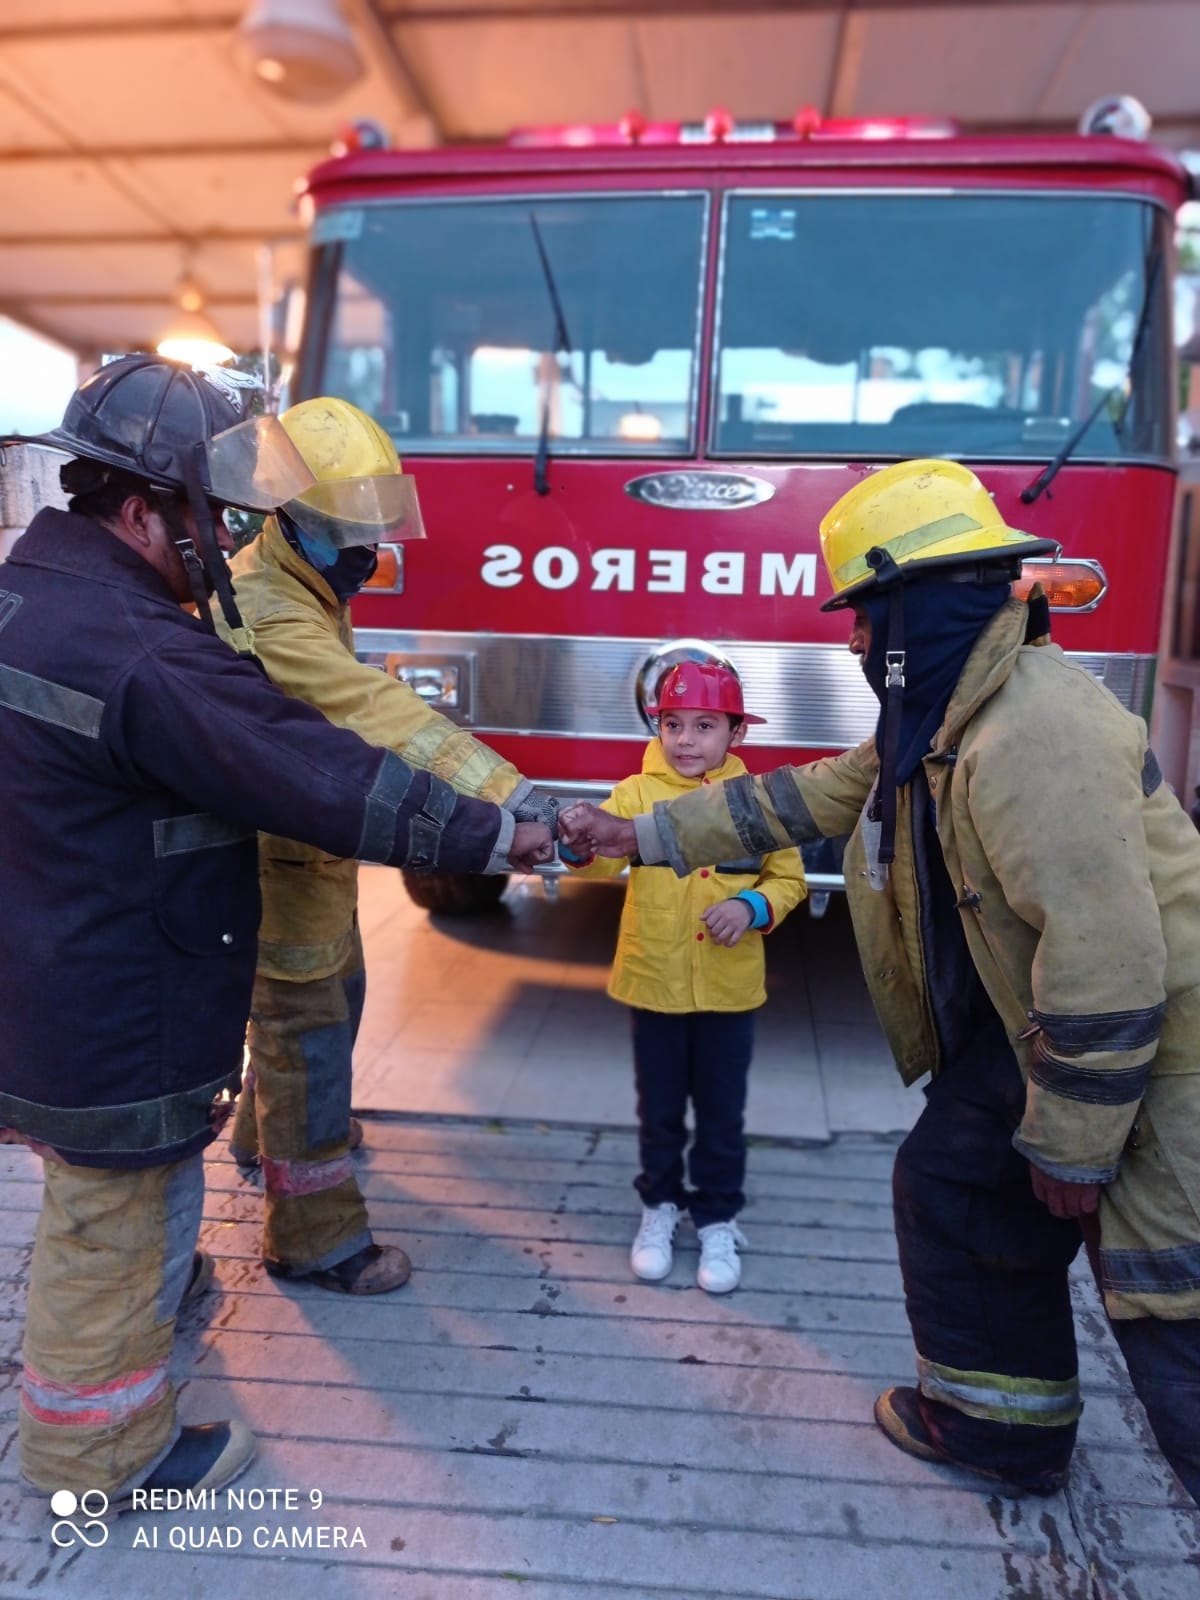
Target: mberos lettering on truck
{"x":631,"y":367}
{"x":654,"y":571}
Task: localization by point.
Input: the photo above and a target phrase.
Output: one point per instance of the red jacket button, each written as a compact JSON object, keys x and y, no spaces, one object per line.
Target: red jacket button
{"x":704,"y":872}
{"x":700,"y":937}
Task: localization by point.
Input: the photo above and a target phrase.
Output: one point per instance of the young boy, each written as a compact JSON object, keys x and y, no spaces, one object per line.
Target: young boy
{"x":689,"y":963}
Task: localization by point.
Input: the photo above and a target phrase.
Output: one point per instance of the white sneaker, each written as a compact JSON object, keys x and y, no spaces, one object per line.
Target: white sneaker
{"x":720,"y":1268}
{"x":651,"y":1254}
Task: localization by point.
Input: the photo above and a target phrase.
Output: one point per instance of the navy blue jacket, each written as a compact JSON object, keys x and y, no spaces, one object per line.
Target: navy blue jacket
{"x":139,"y":756}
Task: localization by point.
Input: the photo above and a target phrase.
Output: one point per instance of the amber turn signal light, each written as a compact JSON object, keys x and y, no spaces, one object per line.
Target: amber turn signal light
{"x":1067,"y":585}
{"x":388,"y":574}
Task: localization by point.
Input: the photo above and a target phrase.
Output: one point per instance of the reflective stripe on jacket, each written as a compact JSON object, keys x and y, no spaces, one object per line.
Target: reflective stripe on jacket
{"x":1078,"y":876}
{"x":665,"y":959}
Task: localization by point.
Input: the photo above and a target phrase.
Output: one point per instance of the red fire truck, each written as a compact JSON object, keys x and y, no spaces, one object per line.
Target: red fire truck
{"x":632,"y":366}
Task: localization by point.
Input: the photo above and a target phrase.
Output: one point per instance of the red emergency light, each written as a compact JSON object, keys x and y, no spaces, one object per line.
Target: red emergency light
{"x":721,"y":127}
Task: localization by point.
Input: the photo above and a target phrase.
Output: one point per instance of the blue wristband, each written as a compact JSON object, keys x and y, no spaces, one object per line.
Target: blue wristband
{"x":759,"y":905}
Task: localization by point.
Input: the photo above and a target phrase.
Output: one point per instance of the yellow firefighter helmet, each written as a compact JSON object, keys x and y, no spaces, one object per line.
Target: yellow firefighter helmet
{"x":900,"y":522}
{"x":362,"y":494}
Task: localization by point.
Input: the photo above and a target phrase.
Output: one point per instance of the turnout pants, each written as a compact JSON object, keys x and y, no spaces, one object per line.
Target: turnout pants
{"x":1163,"y":1359}
{"x":111,"y":1260}
{"x":295,"y":1109}
{"x":985,"y":1279}
{"x":703,"y":1056}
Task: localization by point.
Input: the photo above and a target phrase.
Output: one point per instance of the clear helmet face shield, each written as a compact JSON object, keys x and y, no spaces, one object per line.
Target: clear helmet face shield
{"x":348,"y":512}
{"x":255,"y":466}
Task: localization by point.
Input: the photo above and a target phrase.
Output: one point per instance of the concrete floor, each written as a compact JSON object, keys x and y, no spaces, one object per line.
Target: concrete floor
{"x":506,"y":1016}
{"x":525,"y":1418}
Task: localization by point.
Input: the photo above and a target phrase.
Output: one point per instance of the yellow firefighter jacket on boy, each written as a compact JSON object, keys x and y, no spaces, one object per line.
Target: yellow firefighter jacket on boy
{"x":666,"y":960}
{"x":1078,"y":876}
{"x":302,"y":636}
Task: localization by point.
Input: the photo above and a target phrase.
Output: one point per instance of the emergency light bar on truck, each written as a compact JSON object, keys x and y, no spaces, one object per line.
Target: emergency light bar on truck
{"x":719,"y":127}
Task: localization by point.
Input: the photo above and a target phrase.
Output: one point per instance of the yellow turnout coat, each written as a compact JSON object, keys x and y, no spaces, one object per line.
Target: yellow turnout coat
{"x":301,"y":634}
{"x":665,"y":959}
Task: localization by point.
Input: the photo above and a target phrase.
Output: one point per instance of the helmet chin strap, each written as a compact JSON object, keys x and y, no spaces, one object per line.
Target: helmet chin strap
{"x":197,"y":578}
{"x":288,"y":529}
{"x":208,"y":562}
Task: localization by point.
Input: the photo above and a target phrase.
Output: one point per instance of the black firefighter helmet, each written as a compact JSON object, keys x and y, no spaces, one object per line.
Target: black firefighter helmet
{"x":184,"y":431}
{"x":176,"y":427}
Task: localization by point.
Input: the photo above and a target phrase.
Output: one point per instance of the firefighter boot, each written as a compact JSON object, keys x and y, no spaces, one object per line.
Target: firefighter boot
{"x":375,"y":1269}
{"x":899,"y":1413}
{"x":206,"y":1456}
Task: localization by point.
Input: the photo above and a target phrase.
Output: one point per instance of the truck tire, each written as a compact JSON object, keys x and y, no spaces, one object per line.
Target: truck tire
{"x":455,"y":894}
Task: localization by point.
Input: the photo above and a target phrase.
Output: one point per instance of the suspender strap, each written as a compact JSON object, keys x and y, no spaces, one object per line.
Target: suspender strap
{"x":891,"y":732}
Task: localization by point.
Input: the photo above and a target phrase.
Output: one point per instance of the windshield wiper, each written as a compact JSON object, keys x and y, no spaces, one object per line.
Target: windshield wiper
{"x":562,"y":346}
{"x":1050,"y":471}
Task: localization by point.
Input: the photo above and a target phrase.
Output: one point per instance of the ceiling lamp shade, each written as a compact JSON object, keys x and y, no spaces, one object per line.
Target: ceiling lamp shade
{"x":302,"y":49}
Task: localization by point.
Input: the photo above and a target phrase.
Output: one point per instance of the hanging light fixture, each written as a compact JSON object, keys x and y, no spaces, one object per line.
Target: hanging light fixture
{"x":301,"y":49}
{"x":191,"y":337}
{"x":194,"y":340}
{"x":189,"y":296}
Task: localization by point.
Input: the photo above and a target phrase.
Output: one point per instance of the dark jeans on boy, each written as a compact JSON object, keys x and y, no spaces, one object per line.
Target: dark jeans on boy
{"x":702,"y":1056}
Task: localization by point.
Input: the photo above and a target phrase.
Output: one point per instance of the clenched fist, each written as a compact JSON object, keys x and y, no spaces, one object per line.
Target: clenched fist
{"x":1062,"y":1198}
{"x":588,"y":831}
{"x":532,"y":846}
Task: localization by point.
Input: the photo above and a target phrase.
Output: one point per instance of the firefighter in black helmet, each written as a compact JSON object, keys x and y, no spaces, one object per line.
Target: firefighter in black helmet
{"x":183,"y":433}
{"x":138,"y":758}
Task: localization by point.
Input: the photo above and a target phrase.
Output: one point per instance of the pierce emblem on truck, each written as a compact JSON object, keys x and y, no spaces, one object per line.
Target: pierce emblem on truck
{"x":700,"y":491}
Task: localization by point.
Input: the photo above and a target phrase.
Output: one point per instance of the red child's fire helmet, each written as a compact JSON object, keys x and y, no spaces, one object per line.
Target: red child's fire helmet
{"x":701,"y":686}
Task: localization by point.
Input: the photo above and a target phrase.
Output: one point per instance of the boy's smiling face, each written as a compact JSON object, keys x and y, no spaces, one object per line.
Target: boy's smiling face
{"x":696,"y":742}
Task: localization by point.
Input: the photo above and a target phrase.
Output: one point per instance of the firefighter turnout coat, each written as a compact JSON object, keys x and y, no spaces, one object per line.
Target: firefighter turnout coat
{"x":665,"y":960}
{"x":301,"y":634}
{"x":138,"y":757}
{"x":1078,"y":882}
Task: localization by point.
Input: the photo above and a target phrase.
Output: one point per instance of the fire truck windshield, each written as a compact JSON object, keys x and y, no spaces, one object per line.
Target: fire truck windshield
{"x":441,"y":325}
{"x":978,"y":325}
{"x":873,"y":324}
